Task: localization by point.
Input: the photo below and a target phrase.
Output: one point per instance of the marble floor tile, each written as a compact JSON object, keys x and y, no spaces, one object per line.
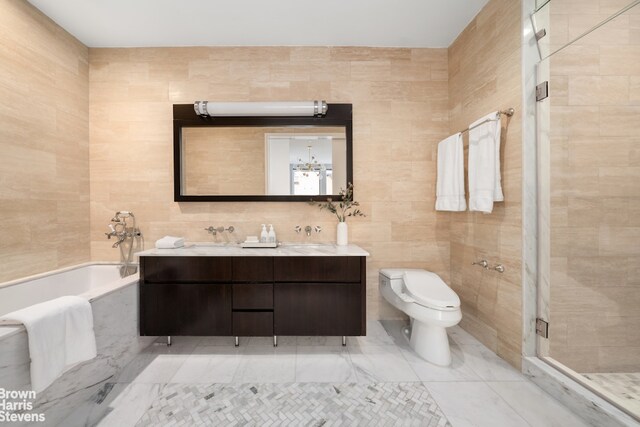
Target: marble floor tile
{"x":222,"y":341}
{"x":622,"y":388}
{"x":467,"y":404}
{"x":478,"y":389}
{"x":324,"y":364}
{"x":209,"y":364}
{"x":376,"y":335}
{"x":486,"y":363}
{"x":186,"y":341}
{"x":130,"y":404}
{"x":295,"y":404}
{"x":382,"y":363}
{"x":534,"y":405}
{"x":283,"y":341}
{"x":459,"y":370}
{"x":319,"y":341}
{"x":266,"y":364}
{"x":461,"y":337}
{"x":155,"y":365}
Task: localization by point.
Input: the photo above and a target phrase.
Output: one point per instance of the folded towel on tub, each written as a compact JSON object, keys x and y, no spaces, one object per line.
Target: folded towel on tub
{"x":60,"y":335}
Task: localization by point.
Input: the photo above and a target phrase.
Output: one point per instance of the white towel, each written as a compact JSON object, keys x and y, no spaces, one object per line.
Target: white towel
{"x":485,"y":185}
{"x":60,"y":335}
{"x":170,"y":242}
{"x":450,"y":180}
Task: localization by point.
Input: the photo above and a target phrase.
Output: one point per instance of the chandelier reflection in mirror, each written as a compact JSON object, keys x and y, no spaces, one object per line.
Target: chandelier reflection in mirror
{"x":311,"y":166}
{"x":312,"y":162}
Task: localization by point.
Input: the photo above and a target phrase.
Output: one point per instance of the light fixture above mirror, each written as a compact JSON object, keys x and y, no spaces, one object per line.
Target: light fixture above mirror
{"x":258,"y":109}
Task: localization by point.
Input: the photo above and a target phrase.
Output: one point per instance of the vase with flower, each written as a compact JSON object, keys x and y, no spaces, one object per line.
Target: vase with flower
{"x":342,"y":209}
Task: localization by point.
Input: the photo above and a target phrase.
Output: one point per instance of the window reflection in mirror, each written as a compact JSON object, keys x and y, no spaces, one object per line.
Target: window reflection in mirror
{"x":315,"y":163}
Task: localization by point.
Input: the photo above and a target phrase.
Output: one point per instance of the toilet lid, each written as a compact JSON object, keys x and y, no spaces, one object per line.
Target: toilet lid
{"x":428,"y":289}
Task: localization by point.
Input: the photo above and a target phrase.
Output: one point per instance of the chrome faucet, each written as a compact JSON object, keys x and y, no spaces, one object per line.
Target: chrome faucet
{"x":308,"y":229}
{"x":215,"y":230}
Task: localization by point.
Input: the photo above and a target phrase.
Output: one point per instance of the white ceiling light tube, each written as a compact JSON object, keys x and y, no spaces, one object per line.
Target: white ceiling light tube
{"x":247,"y":109}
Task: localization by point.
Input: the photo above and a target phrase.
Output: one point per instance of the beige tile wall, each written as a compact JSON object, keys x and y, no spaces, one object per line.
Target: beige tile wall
{"x":484,"y":76}
{"x":595,"y":196}
{"x":401,"y":110}
{"x":44,"y":141}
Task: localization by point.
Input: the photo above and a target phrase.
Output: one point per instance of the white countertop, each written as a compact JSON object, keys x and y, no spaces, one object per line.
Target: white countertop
{"x":213,"y":249}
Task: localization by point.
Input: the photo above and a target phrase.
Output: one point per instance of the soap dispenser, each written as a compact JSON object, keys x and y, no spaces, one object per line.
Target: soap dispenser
{"x":264,"y":236}
{"x":272,"y":234}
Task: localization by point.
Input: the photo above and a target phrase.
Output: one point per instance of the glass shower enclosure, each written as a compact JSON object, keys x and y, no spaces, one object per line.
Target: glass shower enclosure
{"x":589,"y":194}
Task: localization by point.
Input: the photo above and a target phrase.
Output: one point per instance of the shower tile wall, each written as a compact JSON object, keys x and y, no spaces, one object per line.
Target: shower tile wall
{"x":44,"y":141}
{"x":400,"y":111}
{"x":484,"y":76}
{"x":595,"y":151}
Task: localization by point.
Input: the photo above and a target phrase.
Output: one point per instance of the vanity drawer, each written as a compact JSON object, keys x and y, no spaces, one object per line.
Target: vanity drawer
{"x":317,"y":269}
{"x":253,"y":269}
{"x":252,"y":296}
{"x":253,"y":323}
{"x":184,"y":269}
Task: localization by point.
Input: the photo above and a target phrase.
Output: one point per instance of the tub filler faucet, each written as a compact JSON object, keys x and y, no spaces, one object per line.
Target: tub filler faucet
{"x":123,"y":228}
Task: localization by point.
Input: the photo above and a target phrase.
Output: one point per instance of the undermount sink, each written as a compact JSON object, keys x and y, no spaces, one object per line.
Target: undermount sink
{"x":307,"y":245}
{"x":212,"y":244}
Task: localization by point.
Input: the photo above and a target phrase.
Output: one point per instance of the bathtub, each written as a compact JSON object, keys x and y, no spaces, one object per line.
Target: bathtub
{"x":114,"y":301}
{"x":91,"y":280}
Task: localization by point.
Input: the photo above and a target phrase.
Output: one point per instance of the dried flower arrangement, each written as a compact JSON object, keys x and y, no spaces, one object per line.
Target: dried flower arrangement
{"x":342,"y":209}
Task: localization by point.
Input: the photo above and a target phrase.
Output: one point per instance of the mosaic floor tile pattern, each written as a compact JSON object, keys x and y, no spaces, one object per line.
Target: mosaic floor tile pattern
{"x":624,"y":386}
{"x":299,"y":404}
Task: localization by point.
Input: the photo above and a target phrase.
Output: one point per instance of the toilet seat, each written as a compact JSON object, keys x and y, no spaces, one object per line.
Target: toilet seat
{"x":429,"y":290}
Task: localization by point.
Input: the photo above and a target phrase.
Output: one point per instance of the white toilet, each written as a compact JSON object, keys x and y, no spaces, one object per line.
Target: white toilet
{"x":431,"y":305}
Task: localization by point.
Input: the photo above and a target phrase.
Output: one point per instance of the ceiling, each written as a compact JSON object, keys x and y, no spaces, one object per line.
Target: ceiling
{"x":146,"y":23}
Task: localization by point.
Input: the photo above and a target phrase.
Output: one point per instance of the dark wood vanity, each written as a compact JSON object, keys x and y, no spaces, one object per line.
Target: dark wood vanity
{"x":253,"y":295}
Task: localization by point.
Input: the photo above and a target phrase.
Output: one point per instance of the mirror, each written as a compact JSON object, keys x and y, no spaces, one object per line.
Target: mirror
{"x":264,"y":160}
{"x":261,"y":158}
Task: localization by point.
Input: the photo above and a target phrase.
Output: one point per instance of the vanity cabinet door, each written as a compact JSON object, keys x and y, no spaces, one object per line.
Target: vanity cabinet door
{"x":185,"y":309}
{"x":298,"y":269}
{"x":331,"y":309}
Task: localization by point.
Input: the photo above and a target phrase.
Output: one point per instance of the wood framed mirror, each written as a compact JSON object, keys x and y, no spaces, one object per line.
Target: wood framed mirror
{"x":269,"y":159}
